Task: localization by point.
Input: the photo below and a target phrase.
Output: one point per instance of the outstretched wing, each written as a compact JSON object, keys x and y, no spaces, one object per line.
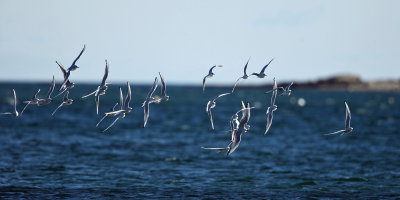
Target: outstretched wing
{"x":237,"y":81}
{"x":153,"y":88}
{"x":274,"y":92}
{"x":211,"y":119}
{"x":348,"y":116}
{"x":245,"y":67}
{"x":263,"y":69}
{"x":15,"y":101}
{"x":76,"y":59}
{"x":288,"y":86}
{"x":204,"y":83}
{"x":128,"y":95}
{"x":89,"y":94}
{"x":121,"y":99}
{"x":146,"y":112}
{"x":53,"y":84}
{"x":103,"y":82}
{"x":210,"y":71}
{"x":62,"y":70}
{"x":269,"y":120}
{"x":112,"y":124}
{"x":34,"y":96}
{"x":163,"y":86}
{"x":221,"y":95}
{"x":56,"y":109}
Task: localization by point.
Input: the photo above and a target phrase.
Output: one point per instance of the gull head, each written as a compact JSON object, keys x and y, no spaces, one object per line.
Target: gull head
{"x":274,"y":107}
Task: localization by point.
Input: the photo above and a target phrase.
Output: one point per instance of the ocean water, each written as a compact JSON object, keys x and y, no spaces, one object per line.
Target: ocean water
{"x":66,"y":156}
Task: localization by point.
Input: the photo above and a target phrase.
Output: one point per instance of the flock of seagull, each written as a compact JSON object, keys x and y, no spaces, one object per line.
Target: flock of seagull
{"x":66,"y":85}
{"x":237,"y":127}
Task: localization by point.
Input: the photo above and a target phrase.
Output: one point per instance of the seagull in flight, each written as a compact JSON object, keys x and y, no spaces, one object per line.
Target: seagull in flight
{"x":68,"y":85}
{"x":209,"y":75}
{"x":262,"y":74}
{"x":73,"y":67}
{"x":286,"y":91}
{"x":245,"y":76}
{"x":101,"y":89}
{"x":149,"y":99}
{"x":211,"y":104}
{"x":125,"y":108}
{"x":164,"y":96}
{"x":242,"y":127}
{"x":34,"y":100}
{"x":48,"y":98}
{"x":347,"y":127}
{"x":271,"y":109}
{"x":15,"y":112}
{"x":65,"y":102}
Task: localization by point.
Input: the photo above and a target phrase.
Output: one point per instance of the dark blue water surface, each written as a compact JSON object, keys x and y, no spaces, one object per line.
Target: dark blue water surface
{"x":66,"y":156}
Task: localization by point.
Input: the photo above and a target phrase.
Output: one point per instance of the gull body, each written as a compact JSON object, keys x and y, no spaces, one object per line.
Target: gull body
{"x":271,"y":108}
{"x":209,"y":75}
{"x":15,"y":112}
{"x":262,"y":73}
{"x":73,"y":67}
{"x":347,"y":127}
{"x":149,"y":99}
{"x":48,"y":98}
{"x":34,"y":100}
{"x":245,"y":76}
{"x":101,"y":89}
{"x":211,"y":104}
{"x":66,"y":102}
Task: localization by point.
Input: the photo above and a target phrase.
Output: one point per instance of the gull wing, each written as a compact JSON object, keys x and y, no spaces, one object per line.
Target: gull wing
{"x":62,"y":70}
{"x":210,"y":71}
{"x":65,"y":98}
{"x":265,"y":67}
{"x":121,"y":99}
{"x":112,"y":124}
{"x":341,"y":131}
{"x":15,"y":101}
{"x":269,"y":120}
{"x":274,"y":92}
{"x":113,"y":108}
{"x":163,"y":86}
{"x":204,"y":83}
{"x":211,"y":119}
{"x":34,"y":96}
{"x":153,"y":88}
{"x":245,"y":67}
{"x":103,"y":82}
{"x":53,"y":84}
{"x":288,"y":86}
{"x":101,"y":120}
{"x":76,"y":59}
{"x":237,"y":81}
{"x":221,"y":95}
{"x":97,"y":99}
{"x":57,"y":109}
{"x":146,"y":112}
{"x":89,"y":94}
{"x":348,"y":116}
{"x":128,"y":95}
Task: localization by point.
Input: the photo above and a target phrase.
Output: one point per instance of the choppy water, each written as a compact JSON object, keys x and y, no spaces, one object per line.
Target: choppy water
{"x":67,"y":157}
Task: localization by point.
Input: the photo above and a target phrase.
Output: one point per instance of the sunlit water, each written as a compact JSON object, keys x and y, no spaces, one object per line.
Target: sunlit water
{"x":66,"y":156}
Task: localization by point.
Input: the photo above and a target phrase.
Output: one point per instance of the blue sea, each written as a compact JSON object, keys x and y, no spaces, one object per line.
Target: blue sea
{"x":66,"y":157}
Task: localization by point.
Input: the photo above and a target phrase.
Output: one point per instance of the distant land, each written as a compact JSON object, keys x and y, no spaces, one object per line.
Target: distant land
{"x":341,"y":82}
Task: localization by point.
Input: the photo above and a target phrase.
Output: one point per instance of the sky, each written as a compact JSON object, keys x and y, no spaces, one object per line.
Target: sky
{"x":182,"y":39}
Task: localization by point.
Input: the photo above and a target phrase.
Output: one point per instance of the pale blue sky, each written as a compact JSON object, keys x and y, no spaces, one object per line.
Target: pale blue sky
{"x":183,"y":39}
